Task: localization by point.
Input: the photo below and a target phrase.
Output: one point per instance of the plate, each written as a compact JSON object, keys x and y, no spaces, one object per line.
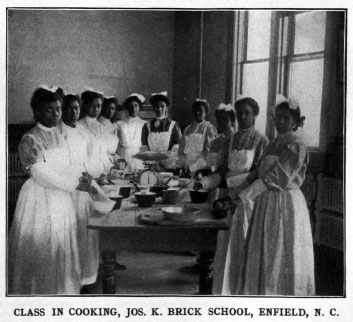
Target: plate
{"x":151,"y":156}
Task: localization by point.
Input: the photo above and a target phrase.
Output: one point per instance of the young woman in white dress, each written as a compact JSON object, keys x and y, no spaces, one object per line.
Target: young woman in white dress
{"x":43,"y":254}
{"x":88,"y":245}
{"x":225,"y":116}
{"x":129,"y":132}
{"x":162,"y":134}
{"x":197,"y":138}
{"x":240,"y":154}
{"x":279,"y":256}
{"x":106,"y":117}
{"x":98,"y":152}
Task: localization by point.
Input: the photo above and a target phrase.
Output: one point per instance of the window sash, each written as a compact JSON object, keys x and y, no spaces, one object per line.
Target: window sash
{"x":281,"y":57}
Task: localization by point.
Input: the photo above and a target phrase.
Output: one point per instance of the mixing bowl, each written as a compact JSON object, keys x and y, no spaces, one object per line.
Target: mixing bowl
{"x":104,"y":206}
{"x":145,"y":199}
{"x":198,"y":196}
{"x":177,"y":213}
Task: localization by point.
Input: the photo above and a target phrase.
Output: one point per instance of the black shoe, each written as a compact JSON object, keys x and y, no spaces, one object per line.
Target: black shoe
{"x":119,"y":267}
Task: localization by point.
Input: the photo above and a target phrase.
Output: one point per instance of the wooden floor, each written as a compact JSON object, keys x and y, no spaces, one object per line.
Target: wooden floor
{"x":176,"y":274}
{"x":154,"y":273}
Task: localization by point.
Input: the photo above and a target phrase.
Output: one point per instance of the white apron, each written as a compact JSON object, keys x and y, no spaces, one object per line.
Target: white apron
{"x":98,"y":159}
{"x":194,"y":159}
{"x":43,"y":254}
{"x":279,"y":259}
{"x":110,"y":134}
{"x":230,"y":244}
{"x":130,"y":143}
{"x":88,"y":239}
{"x":159,"y":141}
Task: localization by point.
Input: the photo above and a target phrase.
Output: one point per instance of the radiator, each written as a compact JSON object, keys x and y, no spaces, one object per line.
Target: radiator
{"x":330,"y":194}
{"x":329,"y":212}
{"x":329,"y":230}
{"x":14,"y":165}
{"x":16,"y":177}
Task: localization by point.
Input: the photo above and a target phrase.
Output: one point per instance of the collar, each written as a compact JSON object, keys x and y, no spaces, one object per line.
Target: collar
{"x":90,"y":120}
{"x":246,"y":130}
{"x":282,"y":135}
{"x":46,"y":129}
{"x":160,"y":118}
{"x":133,"y":119}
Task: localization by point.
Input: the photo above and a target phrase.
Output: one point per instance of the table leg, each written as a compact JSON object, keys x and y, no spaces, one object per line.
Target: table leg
{"x":109,"y":274}
{"x":206,"y":266}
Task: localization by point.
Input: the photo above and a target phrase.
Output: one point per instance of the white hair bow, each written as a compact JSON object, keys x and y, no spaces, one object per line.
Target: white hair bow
{"x":139,"y":96}
{"x":293,"y":104}
{"x":224,"y":107}
{"x":52,"y":89}
{"x":165,"y":93}
{"x":70,"y":93}
{"x":93,"y":90}
{"x":201,"y":100}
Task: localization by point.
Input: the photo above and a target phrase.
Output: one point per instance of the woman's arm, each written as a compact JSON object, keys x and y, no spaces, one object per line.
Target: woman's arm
{"x":211,"y":135}
{"x":259,"y":151}
{"x":32,"y":157}
{"x":175,"y":136}
{"x":286,"y":169}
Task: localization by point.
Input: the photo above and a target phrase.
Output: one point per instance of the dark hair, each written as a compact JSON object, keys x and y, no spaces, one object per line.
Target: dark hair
{"x":159,"y":97}
{"x":199,"y":103}
{"x":248,"y":101}
{"x":230,"y":113}
{"x":295,"y":112}
{"x":43,"y":96}
{"x":130,"y":99}
{"x":68,"y":99}
{"x":105,"y":107}
{"x":88,"y":97}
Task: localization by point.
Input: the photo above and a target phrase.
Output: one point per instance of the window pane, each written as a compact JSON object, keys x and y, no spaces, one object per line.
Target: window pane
{"x":309,"y":32}
{"x":305,"y":86}
{"x":259,"y":28}
{"x":255,"y":79}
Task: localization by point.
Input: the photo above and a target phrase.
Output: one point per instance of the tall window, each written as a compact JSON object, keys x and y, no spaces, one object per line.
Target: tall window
{"x":282,"y":53}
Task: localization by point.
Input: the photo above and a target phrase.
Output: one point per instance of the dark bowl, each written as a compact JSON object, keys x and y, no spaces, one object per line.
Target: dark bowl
{"x":125,"y":191}
{"x":145,"y":199}
{"x":198,"y":196}
{"x":159,"y":190}
{"x":118,"y":200}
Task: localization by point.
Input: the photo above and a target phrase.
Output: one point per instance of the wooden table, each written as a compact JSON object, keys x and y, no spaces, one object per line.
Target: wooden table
{"x":122,"y":230}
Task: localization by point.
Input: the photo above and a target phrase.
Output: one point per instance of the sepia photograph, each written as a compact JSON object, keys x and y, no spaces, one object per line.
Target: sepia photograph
{"x":175,"y":152}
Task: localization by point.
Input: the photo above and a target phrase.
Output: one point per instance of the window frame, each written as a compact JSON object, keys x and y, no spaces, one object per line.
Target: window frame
{"x":279,"y":64}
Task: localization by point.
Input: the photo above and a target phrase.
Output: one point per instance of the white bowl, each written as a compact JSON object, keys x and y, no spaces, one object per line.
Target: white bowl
{"x":180,"y":213}
{"x":103,"y":206}
{"x":110,"y":188}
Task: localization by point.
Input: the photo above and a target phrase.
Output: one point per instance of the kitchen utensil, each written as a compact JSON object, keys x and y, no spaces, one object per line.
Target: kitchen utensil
{"x":145,"y":199}
{"x":185,"y":213}
{"x":198,"y":196}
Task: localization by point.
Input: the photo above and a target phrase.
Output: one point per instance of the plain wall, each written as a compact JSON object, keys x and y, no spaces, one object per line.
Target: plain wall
{"x":201,"y":65}
{"x":118,"y":52}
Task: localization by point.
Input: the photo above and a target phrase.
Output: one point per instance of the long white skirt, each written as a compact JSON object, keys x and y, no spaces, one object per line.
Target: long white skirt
{"x":279,"y":253}
{"x":88,"y":239}
{"x":230,"y":252}
{"x":43,"y":253}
